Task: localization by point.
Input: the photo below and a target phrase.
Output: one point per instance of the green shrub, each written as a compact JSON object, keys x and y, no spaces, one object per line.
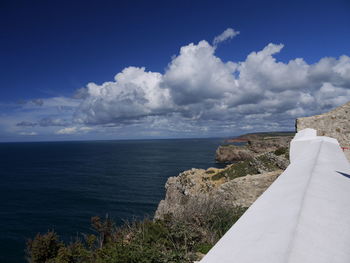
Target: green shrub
{"x":204,"y":248}
{"x":239,"y":169}
{"x":281,"y":150}
{"x":267,"y":163}
{"x":74,"y":253}
{"x":174,"y":239}
{"x":43,"y":247}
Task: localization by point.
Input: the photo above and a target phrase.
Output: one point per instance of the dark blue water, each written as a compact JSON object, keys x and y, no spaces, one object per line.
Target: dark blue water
{"x":61,"y":185}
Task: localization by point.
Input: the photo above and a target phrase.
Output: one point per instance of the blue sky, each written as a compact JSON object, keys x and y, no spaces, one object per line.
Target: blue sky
{"x":51,"y":50}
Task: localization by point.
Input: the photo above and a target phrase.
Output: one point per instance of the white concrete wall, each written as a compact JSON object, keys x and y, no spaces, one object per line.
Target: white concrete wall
{"x":303,"y":217}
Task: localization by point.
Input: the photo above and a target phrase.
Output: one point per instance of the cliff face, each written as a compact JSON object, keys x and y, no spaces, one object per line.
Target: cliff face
{"x":255,"y":144}
{"x":238,"y":184}
{"x":231,"y":153}
{"x":335,"y":124}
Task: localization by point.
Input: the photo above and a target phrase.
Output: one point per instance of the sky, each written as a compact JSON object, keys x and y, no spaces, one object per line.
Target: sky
{"x":92,"y":70}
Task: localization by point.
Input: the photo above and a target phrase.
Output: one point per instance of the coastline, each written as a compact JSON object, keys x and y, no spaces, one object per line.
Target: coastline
{"x":200,"y":204}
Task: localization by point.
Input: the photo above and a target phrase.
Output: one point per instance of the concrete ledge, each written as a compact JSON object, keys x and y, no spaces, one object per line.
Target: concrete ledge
{"x":302,"y":217}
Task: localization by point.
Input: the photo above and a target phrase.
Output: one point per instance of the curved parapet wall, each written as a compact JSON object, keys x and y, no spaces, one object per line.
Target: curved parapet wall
{"x":304,"y":216}
{"x":300,"y":144}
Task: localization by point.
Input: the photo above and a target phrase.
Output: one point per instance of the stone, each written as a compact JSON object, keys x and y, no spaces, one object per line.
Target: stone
{"x":335,"y":124}
{"x":230,"y":186}
{"x":255,"y":144}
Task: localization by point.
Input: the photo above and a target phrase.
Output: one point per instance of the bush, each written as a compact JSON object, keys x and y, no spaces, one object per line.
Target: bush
{"x":43,"y":247}
{"x":74,"y":253}
{"x":281,"y":150}
{"x":173,"y":239}
{"x":204,"y":248}
{"x":238,"y":169}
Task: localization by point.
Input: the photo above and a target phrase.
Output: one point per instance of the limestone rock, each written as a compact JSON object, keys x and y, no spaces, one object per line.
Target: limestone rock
{"x":194,"y":183}
{"x":335,"y":124}
{"x":243,"y":191}
{"x":231,"y":153}
{"x":237,"y":184}
{"x":255,"y":144}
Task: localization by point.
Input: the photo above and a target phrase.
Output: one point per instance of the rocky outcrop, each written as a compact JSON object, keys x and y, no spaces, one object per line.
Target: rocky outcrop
{"x":191,"y":184}
{"x":254,"y":144}
{"x":335,"y":124}
{"x":243,"y":191}
{"x":238,"y":184}
{"x":230,"y":153}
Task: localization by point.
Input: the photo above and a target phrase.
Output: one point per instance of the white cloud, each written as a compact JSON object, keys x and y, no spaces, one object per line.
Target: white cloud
{"x":134,"y":94}
{"x":85,"y":129}
{"x":40,"y":117}
{"x":73,"y":130}
{"x":28,"y":133}
{"x":197,"y":94}
{"x":68,"y":130}
{"x":196,"y":74}
{"x":227,"y":34}
{"x":198,"y":87}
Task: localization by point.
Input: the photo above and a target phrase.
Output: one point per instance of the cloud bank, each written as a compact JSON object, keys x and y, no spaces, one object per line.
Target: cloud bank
{"x":199,"y":93}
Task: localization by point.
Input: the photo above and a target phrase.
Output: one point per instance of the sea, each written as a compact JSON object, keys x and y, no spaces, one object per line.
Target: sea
{"x":60,"y":185}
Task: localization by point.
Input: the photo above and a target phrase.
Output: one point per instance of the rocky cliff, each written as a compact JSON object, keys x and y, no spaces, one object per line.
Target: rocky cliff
{"x":253,"y":144}
{"x":238,"y":184}
{"x":335,"y":124}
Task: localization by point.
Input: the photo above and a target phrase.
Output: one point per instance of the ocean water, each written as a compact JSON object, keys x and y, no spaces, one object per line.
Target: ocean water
{"x":61,"y":185}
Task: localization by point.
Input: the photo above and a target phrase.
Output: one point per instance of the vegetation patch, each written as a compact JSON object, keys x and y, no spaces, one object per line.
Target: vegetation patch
{"x":228,"y":145}
{"x":281,"y":150}
{"x":204,"y":248}
{"x":239,"y":169}
{"x":171,"y":240}
{"x":266,"y":163}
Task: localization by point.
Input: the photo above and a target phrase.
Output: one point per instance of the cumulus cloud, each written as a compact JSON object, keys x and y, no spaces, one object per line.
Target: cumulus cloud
{"x":134,"y":94}
{"x":227,"y":34}
{"x":198,"y":88}
{"x":200,"y":94}
{"x":196,"y":74}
